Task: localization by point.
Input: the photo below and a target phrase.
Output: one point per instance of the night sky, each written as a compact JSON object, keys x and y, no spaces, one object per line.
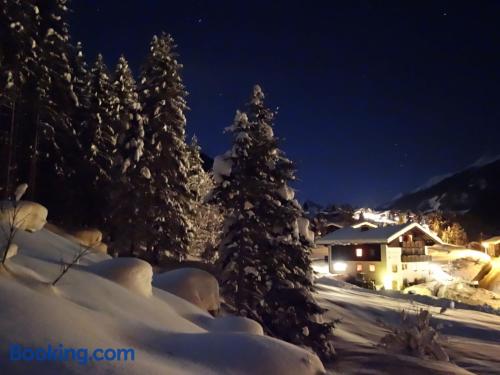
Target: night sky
{"x":374,"y":97}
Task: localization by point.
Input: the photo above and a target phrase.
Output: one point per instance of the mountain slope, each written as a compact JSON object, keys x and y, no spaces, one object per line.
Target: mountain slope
{"x":471,"y":194}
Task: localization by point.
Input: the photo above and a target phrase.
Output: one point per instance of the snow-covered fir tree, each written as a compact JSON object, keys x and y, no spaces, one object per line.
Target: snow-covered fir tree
{"x":163,"y":96}
{"x":54,"y":136}
{"x":81,"y":88}
{"x":18,"y":54}
{"x":127,"y":209}
{"x":264,"y":253}
{"x":206,"y":218}
{"x":128,"y":124}
{"x":99,"y":141}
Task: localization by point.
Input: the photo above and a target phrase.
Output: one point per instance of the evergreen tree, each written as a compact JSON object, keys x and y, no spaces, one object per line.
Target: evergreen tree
{"x":53,"y":135}
{"x":206,"y":217}
{"x":99,"y":141}
{"x":81,"y":88}
{"x":264,"y":253}
{"x":163,"y":96}
{"x":128,"y":124}
{"x":129,"y":186}
{"x":18,"y":44}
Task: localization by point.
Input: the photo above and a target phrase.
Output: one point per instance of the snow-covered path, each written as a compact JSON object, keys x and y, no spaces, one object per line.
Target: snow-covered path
{"x":471,"y":338}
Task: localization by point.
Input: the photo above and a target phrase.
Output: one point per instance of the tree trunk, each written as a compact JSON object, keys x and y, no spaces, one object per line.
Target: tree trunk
{"x":10,"y":155}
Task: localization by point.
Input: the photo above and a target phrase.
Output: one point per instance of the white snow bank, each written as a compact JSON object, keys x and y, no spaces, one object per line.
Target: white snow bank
{"x":457,"y":291}
{"x":168,"y":334}
{"x":492,"y":280}
{"x":101,"y":248}
{"x":29,"y":216}
{"x":470,"y":336}
{"x":194,"y":285}
{"x":131,"y":273}
{"x":236,"y":324}
{"x":88,"y":237}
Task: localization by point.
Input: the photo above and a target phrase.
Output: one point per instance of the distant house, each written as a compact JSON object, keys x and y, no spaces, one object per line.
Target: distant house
{"x":492,"y":246}
{"x":392,"y":256}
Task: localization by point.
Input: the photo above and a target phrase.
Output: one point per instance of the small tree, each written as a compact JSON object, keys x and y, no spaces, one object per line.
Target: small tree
{"x":65,"y":267}
{"x":455,"y":234}
{"x":206,"y":218}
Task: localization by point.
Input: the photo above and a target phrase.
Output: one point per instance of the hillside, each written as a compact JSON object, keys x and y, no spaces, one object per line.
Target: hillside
{"x":470,"y":195}
{"x":111,"y":303}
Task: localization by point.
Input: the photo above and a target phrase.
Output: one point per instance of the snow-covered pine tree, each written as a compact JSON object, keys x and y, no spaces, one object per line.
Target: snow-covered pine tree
{"x":264,"y":253}
{"x":99,"y":141}
{"x":164,"y":98}
{"x":53,"y":134}
{"x":129,"y":123}
{"x":129,"y":189}
{"x":18,"y":30}
{"x":81,"y":88}
{"x":206,"y":218}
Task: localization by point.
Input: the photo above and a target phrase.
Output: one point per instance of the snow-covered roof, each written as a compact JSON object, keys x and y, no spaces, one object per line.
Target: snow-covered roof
{"x":365,"y":224}
{"x":332,"y":224}
{"x":493,"y":240}
{"x":385,"y":234}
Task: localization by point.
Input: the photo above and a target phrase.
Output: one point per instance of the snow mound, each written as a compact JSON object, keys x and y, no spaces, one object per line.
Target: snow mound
{"x":457,"y":291}
{"x":168,"y":334}
{"x":492,"y":280}
{"x":194,"y":285}
{"x":132,"y":273}
{"x":236,"y":324}
{"x":88,"y":237}
{"x":29,"y":216}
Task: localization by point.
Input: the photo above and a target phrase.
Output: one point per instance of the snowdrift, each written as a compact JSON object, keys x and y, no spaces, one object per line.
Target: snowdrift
{"x":457,"y":291}
{"x":29,"y":216}
{"x":194,"y":285}
{"x":101,"y":303}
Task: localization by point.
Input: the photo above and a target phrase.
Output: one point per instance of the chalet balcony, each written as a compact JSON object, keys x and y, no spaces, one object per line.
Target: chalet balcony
{"x":415,"y":258}
{"x":413,"y":248}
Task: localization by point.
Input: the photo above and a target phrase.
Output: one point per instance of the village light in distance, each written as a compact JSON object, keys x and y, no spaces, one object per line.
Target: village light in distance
{"x":359,"y":252}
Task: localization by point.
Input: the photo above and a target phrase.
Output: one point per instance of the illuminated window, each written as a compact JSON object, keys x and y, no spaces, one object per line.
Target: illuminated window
{"x":359,"y":253}
{"x":359,"y":267}
{"x":394,"y":268}
{"x":372,"y":267}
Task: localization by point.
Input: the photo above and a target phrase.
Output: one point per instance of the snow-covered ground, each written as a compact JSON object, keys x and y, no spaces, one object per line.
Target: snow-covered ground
{"x":111,"y":303}
{"x":471,"y":338}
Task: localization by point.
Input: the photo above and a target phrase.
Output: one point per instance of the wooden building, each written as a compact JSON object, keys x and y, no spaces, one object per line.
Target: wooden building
{"x":392,"y":256}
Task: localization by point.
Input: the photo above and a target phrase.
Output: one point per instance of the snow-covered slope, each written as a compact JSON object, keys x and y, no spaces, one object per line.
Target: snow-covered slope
{"x":98,"y":306}
{"x":471,"y":338}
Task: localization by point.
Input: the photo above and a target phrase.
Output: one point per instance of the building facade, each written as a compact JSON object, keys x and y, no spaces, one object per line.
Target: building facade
{"x":392,"y":257}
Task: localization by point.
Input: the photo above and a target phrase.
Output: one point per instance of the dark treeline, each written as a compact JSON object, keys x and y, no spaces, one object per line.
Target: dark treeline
{"x":94,"y":146}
